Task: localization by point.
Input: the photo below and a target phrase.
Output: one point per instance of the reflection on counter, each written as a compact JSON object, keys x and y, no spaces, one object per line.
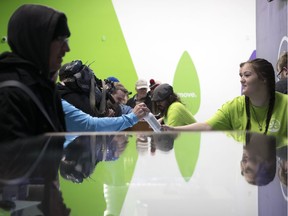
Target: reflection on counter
{"x":29,"y":177}
{"x":83,"y":154}
{"x":144,"y":173}
{"x":258,"y":164}
{"x":281,"y":155}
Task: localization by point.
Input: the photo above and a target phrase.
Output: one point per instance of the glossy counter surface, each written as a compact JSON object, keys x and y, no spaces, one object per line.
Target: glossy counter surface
{"x":134,"y":173}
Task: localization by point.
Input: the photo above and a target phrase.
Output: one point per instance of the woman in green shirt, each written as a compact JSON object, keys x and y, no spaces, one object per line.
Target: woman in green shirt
{"x":173,"y":111}
{"x":259,"y":109}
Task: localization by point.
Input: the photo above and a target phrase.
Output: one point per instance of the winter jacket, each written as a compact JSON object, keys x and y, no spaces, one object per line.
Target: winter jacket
{"x":147,"y":100}
{"x":28,"y":63}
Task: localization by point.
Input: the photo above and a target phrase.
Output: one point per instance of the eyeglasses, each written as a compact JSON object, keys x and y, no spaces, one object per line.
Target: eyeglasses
{"x":278,"y":75}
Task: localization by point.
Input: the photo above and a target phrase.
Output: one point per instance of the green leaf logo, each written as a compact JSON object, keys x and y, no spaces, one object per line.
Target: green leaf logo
{"x":186,"y":83}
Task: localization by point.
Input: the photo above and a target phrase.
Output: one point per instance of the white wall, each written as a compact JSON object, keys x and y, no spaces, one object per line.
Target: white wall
{"x":218,"y":35}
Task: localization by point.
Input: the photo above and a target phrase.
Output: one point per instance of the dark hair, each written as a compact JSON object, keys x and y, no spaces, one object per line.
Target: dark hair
{"x":119,"y":86}
{"x":265,"y":71}
{"x":171,"y":99}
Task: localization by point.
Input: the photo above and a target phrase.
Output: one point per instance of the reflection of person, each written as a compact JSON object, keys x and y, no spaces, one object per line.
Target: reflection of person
{"x":258,"y":164}
{"x":153,"y":142}
{"x":260,"y":109}
{"x":83,"y":154}
{"x":37,"y":36}
{"x":282,"y":75}
{"x":30,"y":167}
{"x":282,"y":164}
{"x":172,"y":110}
{"x":120,"y":141}
{"x":163,"y":142}
{"x":142,"y":144}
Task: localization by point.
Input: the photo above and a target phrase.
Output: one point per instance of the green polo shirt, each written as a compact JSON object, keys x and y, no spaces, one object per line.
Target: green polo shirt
{"x":178,"y":115}
{"x":232,"y":116}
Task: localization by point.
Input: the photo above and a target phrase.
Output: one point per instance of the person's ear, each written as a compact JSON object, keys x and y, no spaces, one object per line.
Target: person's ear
{"x":242,"y":168}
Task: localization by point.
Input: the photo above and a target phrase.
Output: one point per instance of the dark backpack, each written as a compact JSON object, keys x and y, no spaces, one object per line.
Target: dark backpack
{"x":84,"y":90}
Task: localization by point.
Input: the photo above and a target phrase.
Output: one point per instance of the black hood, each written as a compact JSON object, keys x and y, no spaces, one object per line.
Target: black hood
{"x":10,"y":65}
{"x":30,"y":34}
{"x":7,"y":59}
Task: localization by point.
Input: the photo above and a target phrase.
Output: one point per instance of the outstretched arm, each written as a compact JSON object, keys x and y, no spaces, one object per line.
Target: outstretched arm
{"x":198,"y":126}
{"x":78,"y":121}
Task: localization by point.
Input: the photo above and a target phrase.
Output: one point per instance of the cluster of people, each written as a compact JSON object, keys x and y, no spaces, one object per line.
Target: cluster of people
{"x":30,"y":99}
{"x":32,"y":103}
{"x":162,"y":101}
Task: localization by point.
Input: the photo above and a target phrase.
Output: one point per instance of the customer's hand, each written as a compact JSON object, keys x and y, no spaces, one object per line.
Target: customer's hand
{"x":111,"y":113}
{"x":160,"y":120}
{"x":167,"y":128}
{"x":140,"y":110}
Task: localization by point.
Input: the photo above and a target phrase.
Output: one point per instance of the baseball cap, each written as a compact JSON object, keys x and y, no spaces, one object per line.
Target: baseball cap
{"x":153,"y":84}
{"x":141,"y":84}
{"x":113,"y":79}
{"x":162,"y":91}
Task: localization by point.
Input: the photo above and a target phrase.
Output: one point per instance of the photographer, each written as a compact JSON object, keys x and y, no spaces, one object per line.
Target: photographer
{"x":78,"y":121}
{"x":119,"y":94}
{"x":85,"y":100}
{"x":81,"y":88}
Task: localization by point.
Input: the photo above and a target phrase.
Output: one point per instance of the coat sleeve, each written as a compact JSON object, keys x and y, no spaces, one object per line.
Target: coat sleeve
{"x":78,"y":121}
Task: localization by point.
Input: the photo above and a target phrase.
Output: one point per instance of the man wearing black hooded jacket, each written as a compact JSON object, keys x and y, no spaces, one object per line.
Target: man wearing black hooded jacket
{"x":37,"y":36}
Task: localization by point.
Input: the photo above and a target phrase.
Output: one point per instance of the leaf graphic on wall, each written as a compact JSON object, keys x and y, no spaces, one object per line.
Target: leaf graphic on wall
{"x":186,"y":83}
{"x":186,"y":148}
